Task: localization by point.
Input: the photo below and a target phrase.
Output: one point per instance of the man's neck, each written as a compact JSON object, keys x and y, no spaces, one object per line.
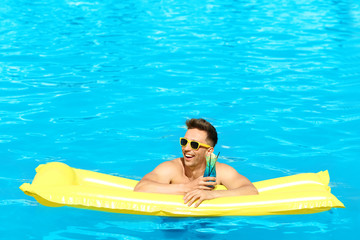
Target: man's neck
{"x":194,"y":172}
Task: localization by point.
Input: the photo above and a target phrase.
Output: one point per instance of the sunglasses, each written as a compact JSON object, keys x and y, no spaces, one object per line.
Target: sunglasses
{"x":193,"y":144}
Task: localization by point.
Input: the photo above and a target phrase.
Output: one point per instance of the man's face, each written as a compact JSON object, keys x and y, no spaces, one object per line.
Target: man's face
{"x":192,"y":157}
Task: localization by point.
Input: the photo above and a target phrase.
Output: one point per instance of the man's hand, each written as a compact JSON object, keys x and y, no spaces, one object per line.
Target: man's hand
{"x":201,"y":183}
{"x":197,"y":195}
{"x":199,"y":190}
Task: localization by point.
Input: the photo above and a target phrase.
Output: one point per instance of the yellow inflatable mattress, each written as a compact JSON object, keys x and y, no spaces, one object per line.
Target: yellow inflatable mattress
{"x":56,"y":184}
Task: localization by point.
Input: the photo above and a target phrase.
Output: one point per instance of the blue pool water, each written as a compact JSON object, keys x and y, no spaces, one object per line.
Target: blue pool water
{"x":107,"y":86}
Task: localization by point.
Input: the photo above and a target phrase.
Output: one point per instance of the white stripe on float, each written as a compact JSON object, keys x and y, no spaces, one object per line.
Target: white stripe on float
{"x":287,"y":185}
{"x":267,"y":202}
{"x":144,"y":201}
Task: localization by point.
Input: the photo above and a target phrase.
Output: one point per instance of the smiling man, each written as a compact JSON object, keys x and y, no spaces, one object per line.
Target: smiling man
{"x":184,"y":175}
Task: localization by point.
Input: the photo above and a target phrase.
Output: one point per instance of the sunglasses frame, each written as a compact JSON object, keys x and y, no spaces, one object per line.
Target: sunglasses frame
{"x":190,"y":141}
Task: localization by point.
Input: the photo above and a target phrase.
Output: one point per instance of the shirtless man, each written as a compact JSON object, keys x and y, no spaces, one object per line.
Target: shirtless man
{"x":185,"y":175}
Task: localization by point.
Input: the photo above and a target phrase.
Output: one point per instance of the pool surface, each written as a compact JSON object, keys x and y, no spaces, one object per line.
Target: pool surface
{"x":107,"y":86}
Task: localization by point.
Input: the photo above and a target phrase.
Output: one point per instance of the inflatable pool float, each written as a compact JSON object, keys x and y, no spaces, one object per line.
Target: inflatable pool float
{"x":57,"y":184}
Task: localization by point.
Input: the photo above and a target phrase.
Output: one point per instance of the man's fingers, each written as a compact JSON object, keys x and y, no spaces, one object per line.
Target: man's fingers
{"x":191,"y":197}
{"x":209,"y":179}
{"x":208,"y":183}
{"x":191,"y":200}
{"x":188,"y":196}
{"x":196,"y":197}
{"x":198,"y":202}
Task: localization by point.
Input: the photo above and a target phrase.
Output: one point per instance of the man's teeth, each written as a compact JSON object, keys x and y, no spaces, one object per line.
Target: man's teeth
{"x":188,"y":156}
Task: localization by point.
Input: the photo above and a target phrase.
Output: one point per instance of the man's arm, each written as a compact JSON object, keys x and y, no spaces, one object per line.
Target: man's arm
{"x":160,"y":181}
{"x":236,"y":184}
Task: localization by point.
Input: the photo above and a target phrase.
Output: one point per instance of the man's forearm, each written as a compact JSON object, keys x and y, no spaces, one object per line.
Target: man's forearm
{"x":155,"y":187}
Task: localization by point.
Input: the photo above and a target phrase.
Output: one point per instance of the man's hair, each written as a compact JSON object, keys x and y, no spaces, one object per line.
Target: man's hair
{"x":204,"y":125}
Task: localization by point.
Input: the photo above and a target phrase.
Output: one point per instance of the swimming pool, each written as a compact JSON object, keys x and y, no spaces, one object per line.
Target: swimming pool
{"x":107,"y":86}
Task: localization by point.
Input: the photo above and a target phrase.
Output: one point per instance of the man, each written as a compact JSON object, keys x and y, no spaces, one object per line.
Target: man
{"x":185,"y":175}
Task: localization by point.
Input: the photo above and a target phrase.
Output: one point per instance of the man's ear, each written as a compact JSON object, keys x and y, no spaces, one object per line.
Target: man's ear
{"x":210,"y":150}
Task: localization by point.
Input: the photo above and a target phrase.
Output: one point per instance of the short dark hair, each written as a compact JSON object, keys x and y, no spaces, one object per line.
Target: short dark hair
{"x":204,"y":125}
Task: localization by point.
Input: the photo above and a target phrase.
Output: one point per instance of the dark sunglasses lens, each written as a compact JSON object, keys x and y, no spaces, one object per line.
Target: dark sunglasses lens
{"x":183,"y":142}
{"x":194,"y":145}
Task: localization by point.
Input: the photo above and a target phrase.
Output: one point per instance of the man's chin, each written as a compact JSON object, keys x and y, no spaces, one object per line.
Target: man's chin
{"x":188,"y":162}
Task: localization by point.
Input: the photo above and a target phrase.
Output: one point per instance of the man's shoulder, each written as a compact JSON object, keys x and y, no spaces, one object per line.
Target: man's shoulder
{"x":225,"y":169}
{"x":174,"y":164}
{"x":223,"y":165}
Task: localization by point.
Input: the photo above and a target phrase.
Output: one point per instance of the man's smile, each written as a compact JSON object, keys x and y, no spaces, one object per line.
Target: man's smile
{"x":188,"y":156}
